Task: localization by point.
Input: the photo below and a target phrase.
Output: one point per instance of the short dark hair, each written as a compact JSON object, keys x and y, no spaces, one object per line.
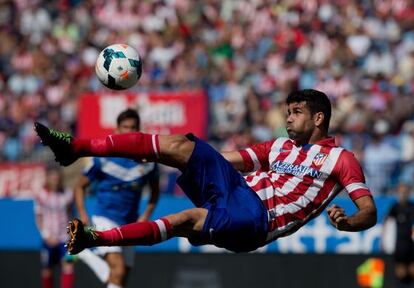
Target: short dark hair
{"x":316,"y":101}
{"x":128,"y":114}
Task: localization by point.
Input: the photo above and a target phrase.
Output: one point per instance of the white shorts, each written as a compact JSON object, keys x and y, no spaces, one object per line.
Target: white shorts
{"x":101,"y":224}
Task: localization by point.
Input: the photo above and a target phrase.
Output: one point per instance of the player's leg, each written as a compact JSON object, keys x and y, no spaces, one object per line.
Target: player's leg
{"x":47,"y":277}
{"x":67,"y":277}
{"x":118,"y":269}
{"x":188,"y":223}
{"x":65,"y":260}
{"x":46,"y":255}
{"x":96,"y":263}
{"x":171,"y":150}
{"x":108,"y":263}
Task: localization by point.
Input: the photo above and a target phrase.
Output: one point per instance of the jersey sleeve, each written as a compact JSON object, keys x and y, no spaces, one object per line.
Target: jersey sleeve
{"x":256,"y":156}
{"x":350,"y":176}
{"x":92,"y":168}
{"x":68,"y":196}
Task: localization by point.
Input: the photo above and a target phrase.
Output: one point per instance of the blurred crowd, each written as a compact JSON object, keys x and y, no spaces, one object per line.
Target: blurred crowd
{"x":246,"y":54}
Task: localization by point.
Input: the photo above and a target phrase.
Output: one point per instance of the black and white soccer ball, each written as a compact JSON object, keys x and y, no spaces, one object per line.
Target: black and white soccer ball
{"x":118,"y":67}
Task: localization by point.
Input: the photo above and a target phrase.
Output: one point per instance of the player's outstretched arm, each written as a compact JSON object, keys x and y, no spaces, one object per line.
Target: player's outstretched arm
{"x":80,"y":187}
{"x":154,"y":185}
{"x":364,"y":218}
{"x":235,"y":159}
{"x":251,"y":159}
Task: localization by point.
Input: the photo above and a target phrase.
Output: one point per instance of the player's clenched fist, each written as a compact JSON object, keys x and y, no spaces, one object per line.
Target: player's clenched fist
{"x":337,"y":217}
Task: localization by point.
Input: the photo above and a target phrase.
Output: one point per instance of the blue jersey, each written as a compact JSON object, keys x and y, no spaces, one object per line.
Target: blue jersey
{"x":118,"y":184}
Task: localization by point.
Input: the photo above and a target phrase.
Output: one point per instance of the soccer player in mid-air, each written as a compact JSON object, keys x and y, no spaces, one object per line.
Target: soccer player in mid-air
{"x":292,"y":181}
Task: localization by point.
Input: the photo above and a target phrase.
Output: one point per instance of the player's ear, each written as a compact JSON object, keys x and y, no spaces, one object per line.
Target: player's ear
{"x":318,"y":118}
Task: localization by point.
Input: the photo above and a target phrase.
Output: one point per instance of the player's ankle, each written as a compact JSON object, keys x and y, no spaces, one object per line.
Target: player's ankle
{"x":90,"y":147}
{"x":80,"y":147}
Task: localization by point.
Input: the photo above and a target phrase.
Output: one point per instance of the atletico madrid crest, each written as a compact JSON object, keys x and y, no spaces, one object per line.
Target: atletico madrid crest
{"x":320,"y":159}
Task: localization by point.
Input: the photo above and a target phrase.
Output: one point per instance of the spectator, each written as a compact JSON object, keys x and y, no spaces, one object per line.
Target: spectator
{"x":402,"y":213}
{"x":380,"y":160}
{"x":53,"y":209}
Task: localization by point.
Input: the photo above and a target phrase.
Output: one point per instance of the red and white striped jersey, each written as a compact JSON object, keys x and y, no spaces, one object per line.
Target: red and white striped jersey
{"x":296,"y":183}
{"x":54,"y":207}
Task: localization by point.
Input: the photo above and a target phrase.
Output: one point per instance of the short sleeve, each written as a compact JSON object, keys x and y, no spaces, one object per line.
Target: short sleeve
{"x":350,"y":175}
{"x":92,"y":168}
{"x":257,"y":156}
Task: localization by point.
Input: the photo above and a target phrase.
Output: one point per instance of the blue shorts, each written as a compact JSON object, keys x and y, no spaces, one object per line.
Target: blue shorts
{"x":237,"y":219}
{"x":53,"y":255}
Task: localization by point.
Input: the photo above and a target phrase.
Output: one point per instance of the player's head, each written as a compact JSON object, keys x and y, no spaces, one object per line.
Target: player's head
{"x":403,"y":191}
{"x":128,"y":121}
{"x":308,"y":111}
{"x":54,"y":179}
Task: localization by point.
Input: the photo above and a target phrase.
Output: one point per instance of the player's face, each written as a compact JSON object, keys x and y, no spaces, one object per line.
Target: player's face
{"x":53,"y":180}
{"x":299,"y":121}
{"x":403,"y":192}
{"x":127,"y":126}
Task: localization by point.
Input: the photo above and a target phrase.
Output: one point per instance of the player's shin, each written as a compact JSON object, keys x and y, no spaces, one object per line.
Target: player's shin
{"x":67,"y":279}
{"x":140,"y":233}
{"x":135,"y":145}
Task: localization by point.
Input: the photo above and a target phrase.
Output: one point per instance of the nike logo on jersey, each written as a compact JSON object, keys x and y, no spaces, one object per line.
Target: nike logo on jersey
{"x":297,"y":170}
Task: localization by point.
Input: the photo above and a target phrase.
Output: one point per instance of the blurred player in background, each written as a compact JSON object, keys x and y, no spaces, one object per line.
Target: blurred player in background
{"x":402,"y":212}
{"x":292,"y":181}
{"x":53,"y":206}
{"x":118,"y":183}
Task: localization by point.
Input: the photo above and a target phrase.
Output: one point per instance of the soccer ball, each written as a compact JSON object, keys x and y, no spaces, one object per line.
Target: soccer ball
{"x":118,"y":66}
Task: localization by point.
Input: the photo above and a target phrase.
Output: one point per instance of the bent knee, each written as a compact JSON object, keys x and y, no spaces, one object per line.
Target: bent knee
{"x":196,"y":216}
{"x":177,"y":142}
{"x":188,"y":222}
{"x":177,"y":148}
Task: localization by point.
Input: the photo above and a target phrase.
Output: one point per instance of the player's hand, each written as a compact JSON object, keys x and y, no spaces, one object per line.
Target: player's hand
{"x":337,"y":217}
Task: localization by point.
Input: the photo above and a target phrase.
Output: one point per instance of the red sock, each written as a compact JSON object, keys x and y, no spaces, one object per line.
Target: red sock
{"x":129,"y":145}
{"x":66,"y":280}
{"x":140,"y":233}
{"x":47,"y":281}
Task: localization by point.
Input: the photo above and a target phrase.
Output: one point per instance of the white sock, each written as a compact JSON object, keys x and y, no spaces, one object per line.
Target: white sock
{"x":97,"y":265}
{"x":111,"y":285}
